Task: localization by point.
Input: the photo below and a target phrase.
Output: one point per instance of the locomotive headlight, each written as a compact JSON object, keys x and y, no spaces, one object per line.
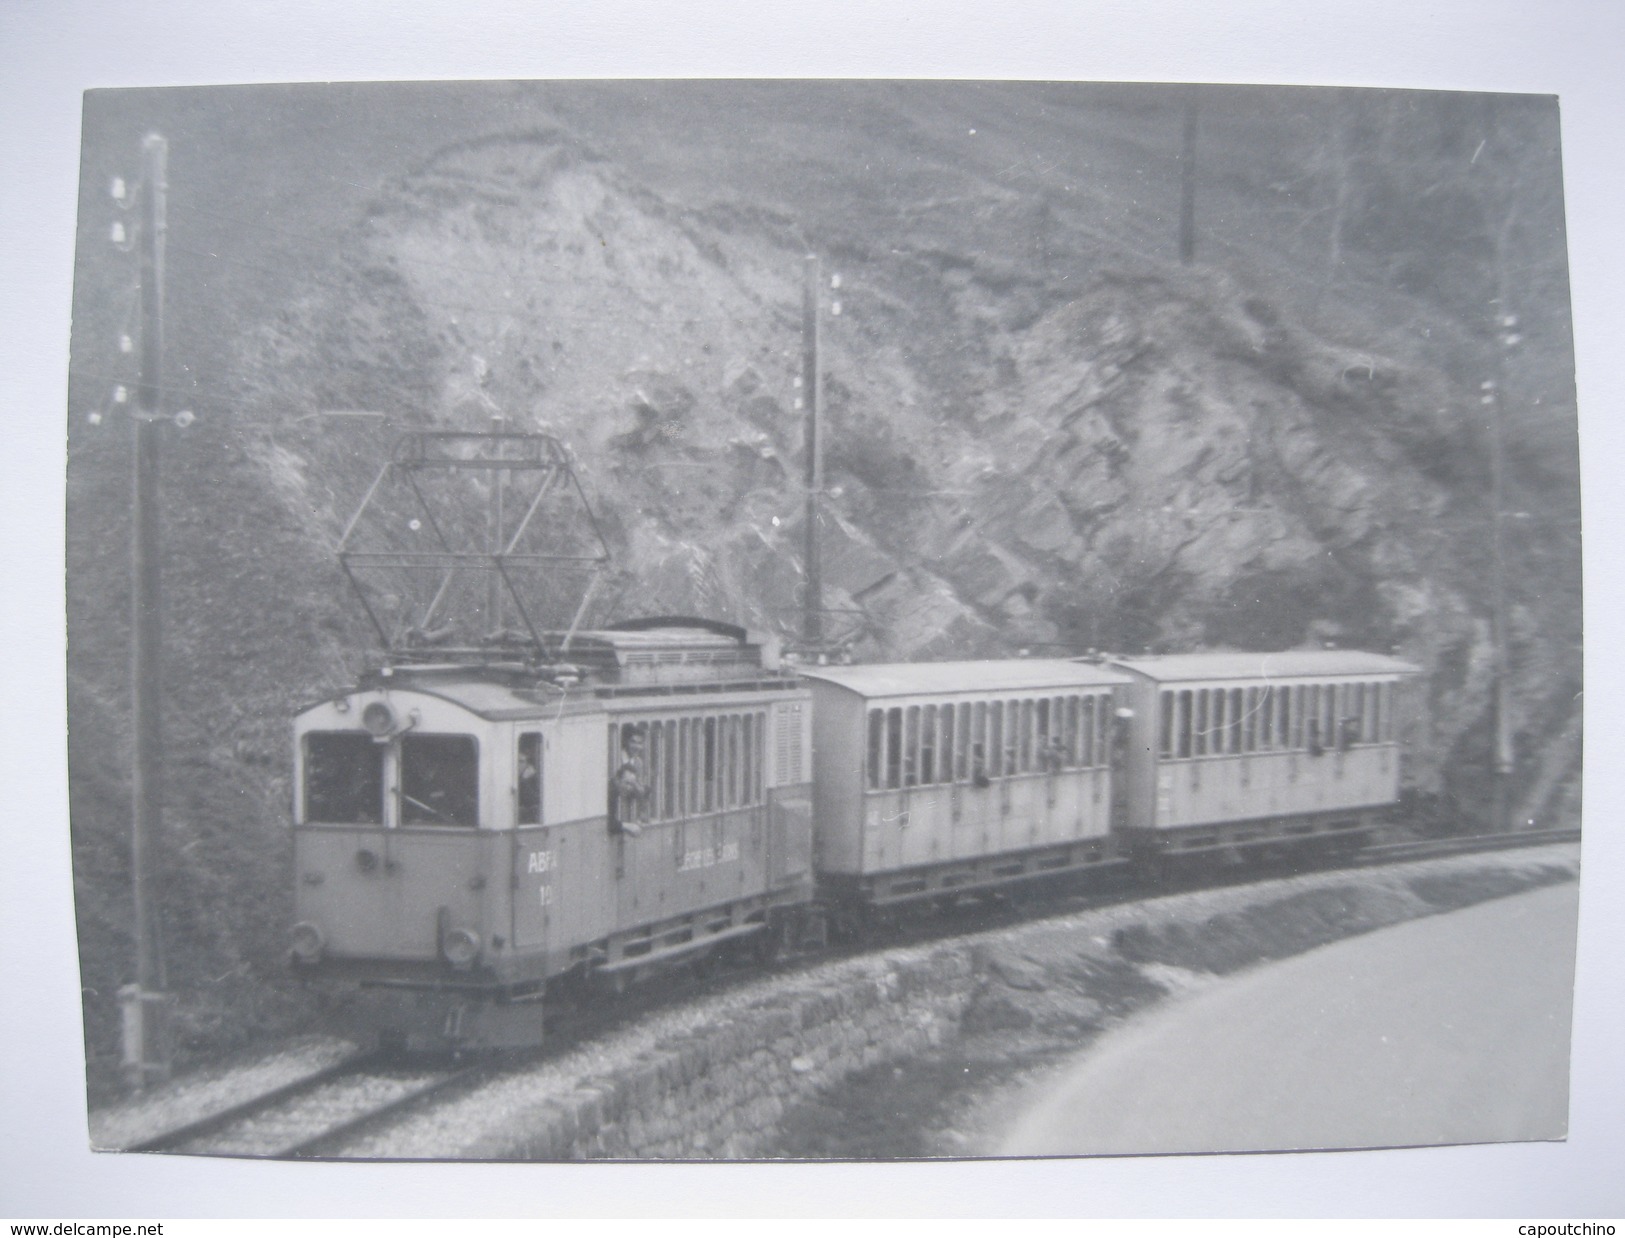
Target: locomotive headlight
{"x":308,"y":942}
{"x":460,"y":947}
{"x":379,"y":719}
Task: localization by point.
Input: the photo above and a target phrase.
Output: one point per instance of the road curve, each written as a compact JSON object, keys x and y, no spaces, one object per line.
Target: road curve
{"x":1451,"y":1029}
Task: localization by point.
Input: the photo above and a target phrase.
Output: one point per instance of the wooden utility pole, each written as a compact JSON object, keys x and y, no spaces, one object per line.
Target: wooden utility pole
{"x":499,"y":482}
{"x":1187,"y":184}
{"x":1502,"y":754}
{"x":1503,"y":336}
{"x":146,"y":1041}
{"x":812,"y":616}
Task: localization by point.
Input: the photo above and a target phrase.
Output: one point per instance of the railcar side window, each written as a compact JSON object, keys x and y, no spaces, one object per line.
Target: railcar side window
{"x":928,"y":745}
{"x":1011,"y":738}
{"x":995,"y":738}
{"x":665,"y":769}
{"x":344,"y":778}
{"x":697,"y":785}
{"x":877,"y":746}
{"x":978,"y":732}
{"x":727,"y":763}
{"x":440,"y":780}
{"x":528,"y":777}
{"x":761,"y":756}
{"x":739,"y":759}
{"x":685,"y":786}
{"x":962,"y":744}
{"x":725,"y":756}
{"x":894,"y":747}
{"x":710,"y":798}
{"x":701,"y":764}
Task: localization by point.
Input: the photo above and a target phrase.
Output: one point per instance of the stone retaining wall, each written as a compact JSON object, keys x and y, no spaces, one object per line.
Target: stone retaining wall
{"x":721,"y":1092}
{"x":721,"y":1085}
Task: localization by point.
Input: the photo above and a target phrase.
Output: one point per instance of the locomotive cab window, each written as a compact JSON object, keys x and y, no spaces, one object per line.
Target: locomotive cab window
{"x":439,"y":780}
{"x":344,"y":778}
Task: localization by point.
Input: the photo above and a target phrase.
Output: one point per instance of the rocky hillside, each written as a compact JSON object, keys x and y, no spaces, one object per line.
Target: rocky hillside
{"x":1043,"y":431}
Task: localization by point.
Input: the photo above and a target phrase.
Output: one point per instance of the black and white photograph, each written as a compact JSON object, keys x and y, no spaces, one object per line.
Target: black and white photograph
{"x":892,"y":611}
{"x":834,"y":620}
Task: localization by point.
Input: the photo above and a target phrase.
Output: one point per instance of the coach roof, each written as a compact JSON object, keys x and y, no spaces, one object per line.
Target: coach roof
{"x":1288,"y":664}
{"x":954,"y":678}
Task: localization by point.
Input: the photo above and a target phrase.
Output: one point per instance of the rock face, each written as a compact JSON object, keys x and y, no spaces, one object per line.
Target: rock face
{"x":1040,"y":434}
{"x":1151,"y":457}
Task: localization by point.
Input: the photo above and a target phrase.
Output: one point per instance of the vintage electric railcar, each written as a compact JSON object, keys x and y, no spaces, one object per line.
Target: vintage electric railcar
{"x":459,"y":836}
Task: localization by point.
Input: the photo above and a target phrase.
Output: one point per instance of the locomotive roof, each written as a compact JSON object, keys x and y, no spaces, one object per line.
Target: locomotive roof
{"x":657,"y":638}
{"x":488,"y":698}
{"x":1288,"y":664}
{"x":948,"y":678}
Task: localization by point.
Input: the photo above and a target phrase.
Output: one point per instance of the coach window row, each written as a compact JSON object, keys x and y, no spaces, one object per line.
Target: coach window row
{"x":692,"y":765}
{"x":1198,"y":722}
{"x":917,"y":745}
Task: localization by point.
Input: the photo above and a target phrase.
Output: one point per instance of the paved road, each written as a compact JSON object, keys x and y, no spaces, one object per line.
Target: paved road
{"x":1451,"y":1029}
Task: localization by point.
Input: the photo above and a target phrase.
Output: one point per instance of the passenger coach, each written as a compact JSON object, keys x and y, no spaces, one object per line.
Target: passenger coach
{"x":1240,"y":750}
{"x":933,"y":778}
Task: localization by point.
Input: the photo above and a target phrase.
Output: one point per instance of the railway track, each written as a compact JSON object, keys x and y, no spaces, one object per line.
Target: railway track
{"x":1434,"y":848}
{"x":315,"y":1116}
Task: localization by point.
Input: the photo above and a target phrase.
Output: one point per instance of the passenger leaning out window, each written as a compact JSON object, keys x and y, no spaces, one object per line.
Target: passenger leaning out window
{"x":629,"y":788}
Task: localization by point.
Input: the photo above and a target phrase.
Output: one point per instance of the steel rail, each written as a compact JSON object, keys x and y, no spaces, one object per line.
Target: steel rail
{"x":211,"y":1123}
{"x":332,"y":1135}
